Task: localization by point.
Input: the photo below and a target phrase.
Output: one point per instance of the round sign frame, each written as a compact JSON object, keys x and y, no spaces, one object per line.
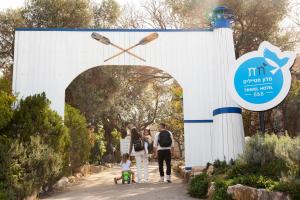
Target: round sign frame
{"x":285,"y":72}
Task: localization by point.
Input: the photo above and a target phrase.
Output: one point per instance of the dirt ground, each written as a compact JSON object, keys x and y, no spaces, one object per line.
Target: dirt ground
{"x":101,"y":187}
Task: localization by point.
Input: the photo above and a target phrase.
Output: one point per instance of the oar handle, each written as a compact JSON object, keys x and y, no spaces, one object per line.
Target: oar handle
{"x":123,"y":51}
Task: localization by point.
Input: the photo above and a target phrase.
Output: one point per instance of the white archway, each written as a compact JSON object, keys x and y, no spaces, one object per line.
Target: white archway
{"x":47,"y":60}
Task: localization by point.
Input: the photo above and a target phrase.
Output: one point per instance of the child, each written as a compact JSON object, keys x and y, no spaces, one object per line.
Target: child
{"x":148,"y":141}
{"x":125,"y":165}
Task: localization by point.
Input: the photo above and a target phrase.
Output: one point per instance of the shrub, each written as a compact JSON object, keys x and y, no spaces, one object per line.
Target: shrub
{"x":33,"y":150}
{"x":99,"y":148}
{"x":220,"y":167}
{"x":80,"y":147}
{"x":292,"y":188}
{"x":6,"y":111}
{"x":199,"y":186}
{"x":26,"y":167}
{"x":272,"y":155}
{"x":5,"y":85}
{"x":221,"y":191}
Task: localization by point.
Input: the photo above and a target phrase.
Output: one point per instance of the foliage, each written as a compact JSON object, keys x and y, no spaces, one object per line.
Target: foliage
{"x":175,"y":118}
{"x":291,"y":108}
{"x":115,"y":97}
{"x":221,"y":191}
{"x":34,"y":146}
{"x":199,"y":186}
{"x":9,"y":19}
{"x":33,"y":116}
{"x":98,"y":150}
{"x":6,"y":110}
{"x":106,"y":14}
{"x":27,"y":166}
{"x":292,"y":188}
{"x":57,"y":13}
{"x":80,"y":147}
{"x":5,"y":84}
{"x":269,"y":150}
{"x":268,"y":162}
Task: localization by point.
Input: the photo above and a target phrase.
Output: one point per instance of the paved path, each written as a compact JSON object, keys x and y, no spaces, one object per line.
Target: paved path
{"x":101,"y":187}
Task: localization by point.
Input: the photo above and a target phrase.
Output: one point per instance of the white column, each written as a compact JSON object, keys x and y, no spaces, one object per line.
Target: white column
{"x":228,"y":131}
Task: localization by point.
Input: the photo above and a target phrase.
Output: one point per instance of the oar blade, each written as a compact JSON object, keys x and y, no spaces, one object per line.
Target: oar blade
{"x":100,"y":38}
{"x":148,"y":38}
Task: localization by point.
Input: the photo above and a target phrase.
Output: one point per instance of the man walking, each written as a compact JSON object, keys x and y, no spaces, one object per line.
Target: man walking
{"x":164,"y":148}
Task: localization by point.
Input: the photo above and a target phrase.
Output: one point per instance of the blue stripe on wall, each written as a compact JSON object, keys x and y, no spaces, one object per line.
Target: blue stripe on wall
{"x":114,"y":30}
{"x":188,"y":168}
{"x":227,"y":110}
{"x":199,"y":121}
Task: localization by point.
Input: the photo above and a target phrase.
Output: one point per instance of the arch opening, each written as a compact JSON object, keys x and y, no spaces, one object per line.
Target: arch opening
{"x":114,"y":99}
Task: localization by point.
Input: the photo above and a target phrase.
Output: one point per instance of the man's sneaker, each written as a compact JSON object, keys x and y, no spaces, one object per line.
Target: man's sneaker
{"x":161,"y":180}
{"x":169,"y":179}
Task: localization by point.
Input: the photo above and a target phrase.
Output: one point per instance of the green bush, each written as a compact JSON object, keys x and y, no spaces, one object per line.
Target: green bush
{"x":99,"y":148}
{"x":292,"y":188}
{"x":272,"y":155}
{"x":28,"y":166}
{"x":199,"y":186}
{"x":221,"y":191}
{"x":5,"y":85}
{"x":220,"y":167}
{"x":33,"y":149}
{"x":80,"y":147}
{"x":6,"y":110}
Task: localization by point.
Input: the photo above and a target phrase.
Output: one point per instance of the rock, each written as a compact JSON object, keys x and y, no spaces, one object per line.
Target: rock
{"x":187,"y":177}
{"x":72,"y":179}
{"x":95,"y":169}
{"x":198,"y":169}
{"x":108,"y":165}
{"x":101,"y":168}
{"x":241,"y":192}
{"x":84,"y":170}
{"x":264,"y":194}
{"x":78,"y":175}
{"x":63,"y":182}
{"x":211,"y":191}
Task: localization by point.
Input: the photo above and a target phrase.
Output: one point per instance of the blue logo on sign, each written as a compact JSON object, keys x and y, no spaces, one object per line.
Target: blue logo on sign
{"x":262,"y":76}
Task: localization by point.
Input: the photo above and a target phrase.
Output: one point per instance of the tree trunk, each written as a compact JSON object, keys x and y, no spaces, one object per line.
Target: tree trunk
{"x":108,"y":138}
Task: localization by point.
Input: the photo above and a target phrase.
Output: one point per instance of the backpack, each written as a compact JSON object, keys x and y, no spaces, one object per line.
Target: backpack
{"x":138,"y":145}
{"x":164,"y":139}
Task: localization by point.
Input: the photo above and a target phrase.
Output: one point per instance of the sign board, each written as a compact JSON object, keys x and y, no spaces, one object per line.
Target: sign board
{"x":260,"y":80}
{"x":124,"y":145}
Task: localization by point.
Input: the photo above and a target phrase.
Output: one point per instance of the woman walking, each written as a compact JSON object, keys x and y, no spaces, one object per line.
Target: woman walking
{"x":137,"y":149}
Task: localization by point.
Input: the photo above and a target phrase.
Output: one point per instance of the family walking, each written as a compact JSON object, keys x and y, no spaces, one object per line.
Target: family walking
{"x":141,"y":146}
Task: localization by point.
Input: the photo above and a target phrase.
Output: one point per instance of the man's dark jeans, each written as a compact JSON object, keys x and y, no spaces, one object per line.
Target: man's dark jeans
{"x":164,"y":155}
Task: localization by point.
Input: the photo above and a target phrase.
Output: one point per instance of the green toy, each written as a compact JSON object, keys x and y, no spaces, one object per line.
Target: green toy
{"x":126,"y":177}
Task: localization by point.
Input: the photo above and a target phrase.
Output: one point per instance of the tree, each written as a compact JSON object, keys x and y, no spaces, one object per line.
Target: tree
{"x":6,"y":110}
{"x":175,"y":118}
{"x":33,"y":145}
{"x":57,"y":13}
{"x":255,"y":20}
{"x":80,"y":147}
{"x":9,"y":20}
{"x":105,"y":14}
{"x":113,"y":97}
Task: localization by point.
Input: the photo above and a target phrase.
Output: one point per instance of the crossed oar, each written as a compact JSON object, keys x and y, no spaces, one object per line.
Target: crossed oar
{"x":106,"y":41}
